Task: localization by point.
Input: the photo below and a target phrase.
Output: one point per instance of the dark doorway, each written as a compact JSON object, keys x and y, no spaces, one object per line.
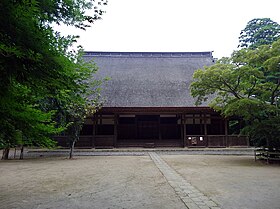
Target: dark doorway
{"x":148,"y":127}
{"x":149,"y":130}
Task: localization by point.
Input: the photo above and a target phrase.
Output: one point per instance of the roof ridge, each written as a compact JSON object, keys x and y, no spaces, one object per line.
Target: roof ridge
{"x":148,"y":54}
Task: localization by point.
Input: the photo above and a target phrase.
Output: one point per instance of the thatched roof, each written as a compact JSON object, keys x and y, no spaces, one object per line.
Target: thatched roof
{"x":145,"y":79}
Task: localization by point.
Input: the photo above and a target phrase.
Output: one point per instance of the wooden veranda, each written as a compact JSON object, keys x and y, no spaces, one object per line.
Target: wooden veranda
{"x":156,"y":127}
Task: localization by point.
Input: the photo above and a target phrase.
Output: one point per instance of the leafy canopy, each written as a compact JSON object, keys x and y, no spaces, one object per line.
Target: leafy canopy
{"x":259,"y":31}
{"x":247,"y":85}
{"x":39,"y":77}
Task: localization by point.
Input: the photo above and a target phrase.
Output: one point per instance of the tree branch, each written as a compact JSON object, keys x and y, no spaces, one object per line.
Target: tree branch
{"x":238,"y":82}
{"x":273,"y":94}
{"x":251,"y":90}
{"x":230,"y":88}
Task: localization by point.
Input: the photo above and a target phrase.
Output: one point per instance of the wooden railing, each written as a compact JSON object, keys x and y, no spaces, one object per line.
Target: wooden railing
{"x":104,"y":141}
{"x":190,"y":141}
{"x":267,"y":154}
{"x":83,"y":142}
{"x":216,"y":141}
{"x":235,"y":140}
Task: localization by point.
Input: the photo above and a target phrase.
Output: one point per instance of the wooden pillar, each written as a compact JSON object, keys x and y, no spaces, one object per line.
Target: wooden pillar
{"x":136,"y":127}
{"x":159,"y":129}
{"x":183,"y":130}
{"x":116,"y":130}
{"x":205,"y":129}
{"x":93,"y":130}
{"x":226,"y":131}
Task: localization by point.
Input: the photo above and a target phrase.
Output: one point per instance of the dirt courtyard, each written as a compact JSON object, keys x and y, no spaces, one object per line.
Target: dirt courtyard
{"x":135,"y":182}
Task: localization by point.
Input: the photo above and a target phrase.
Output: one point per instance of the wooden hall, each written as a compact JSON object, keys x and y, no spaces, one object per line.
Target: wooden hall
{"x":147,"y":103}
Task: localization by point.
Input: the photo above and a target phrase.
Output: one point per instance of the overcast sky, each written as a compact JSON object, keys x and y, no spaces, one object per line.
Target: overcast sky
{"x":174,"y":25}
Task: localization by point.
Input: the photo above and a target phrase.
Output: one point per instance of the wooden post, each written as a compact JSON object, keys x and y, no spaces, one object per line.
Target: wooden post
{"x":226,"y":132}
{"x":136,"y":127}
{"x":116,"y":129}
{"x":184,"y":130}
{"x":159,"y":129}
{"x":181,"y":130}
{"x":93,"y":130}
{"x":15,"y":153}
{"x":205,"y":129}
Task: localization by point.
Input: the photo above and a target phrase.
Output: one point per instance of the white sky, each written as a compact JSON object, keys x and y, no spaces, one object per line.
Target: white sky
{"x":174,"y":26}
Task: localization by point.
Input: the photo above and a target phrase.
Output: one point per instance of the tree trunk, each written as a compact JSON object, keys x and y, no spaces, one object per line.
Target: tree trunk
{"x":5,"y":155}
{"x":71,"y":150}
{"x":21,"y":153}
{"x":15,"y":153}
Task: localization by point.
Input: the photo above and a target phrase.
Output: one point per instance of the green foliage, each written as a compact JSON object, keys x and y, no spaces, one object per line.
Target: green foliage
{"x":265,"y":132}
{"x":259,"y":31}
{"x":246,"y":85}
{"x":83,"y":100}
{"x":39,"y":77}
{"x":22,"y":122}
{"x":225,"y":80}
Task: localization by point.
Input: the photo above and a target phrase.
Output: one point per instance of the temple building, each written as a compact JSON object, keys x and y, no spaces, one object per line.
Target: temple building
{"x":147,"y":103}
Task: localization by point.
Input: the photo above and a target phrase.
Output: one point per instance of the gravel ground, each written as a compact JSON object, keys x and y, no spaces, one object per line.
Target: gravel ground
{"x":234,"y":182}
{"x":85,"y":182}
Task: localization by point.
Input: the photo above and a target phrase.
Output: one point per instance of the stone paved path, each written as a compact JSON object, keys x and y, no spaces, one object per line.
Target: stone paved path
{"x":191,"y":197}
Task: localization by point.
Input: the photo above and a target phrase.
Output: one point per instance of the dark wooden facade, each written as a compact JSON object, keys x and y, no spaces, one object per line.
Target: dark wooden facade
{"x":156,"y":127}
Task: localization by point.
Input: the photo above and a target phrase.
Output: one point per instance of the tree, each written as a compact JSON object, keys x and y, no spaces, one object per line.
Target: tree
{"x":259,"y":31}
{"x":22,"y":123}
{"x":37,"y":68}
{"x":76,"y":105}
{"x":246,"y":85}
